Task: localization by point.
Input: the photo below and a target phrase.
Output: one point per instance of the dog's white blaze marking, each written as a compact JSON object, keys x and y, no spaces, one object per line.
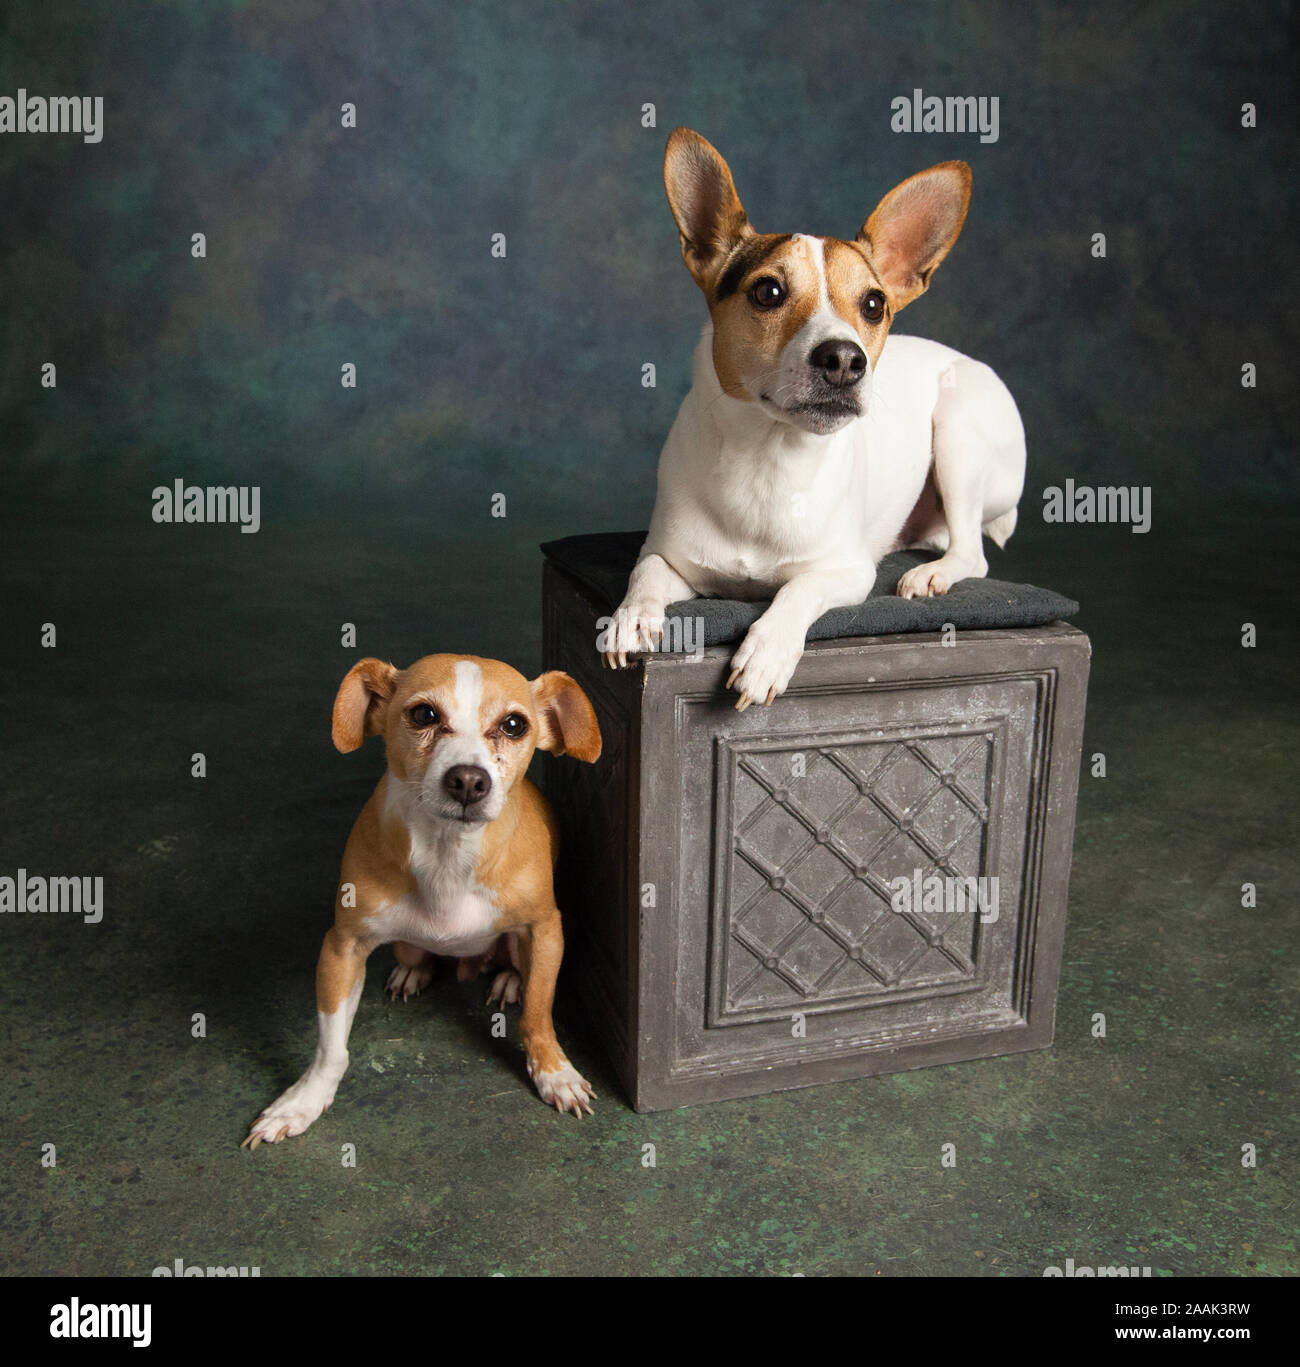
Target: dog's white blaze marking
{"x":817,"y":255}
{"x":819,"y":261}
{"x":825,"y":322}
{"x":469,"y":697}
{"x":466,"y":745}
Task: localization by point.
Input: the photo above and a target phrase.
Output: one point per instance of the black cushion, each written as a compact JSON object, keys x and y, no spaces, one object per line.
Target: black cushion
{"x":602,"y":561}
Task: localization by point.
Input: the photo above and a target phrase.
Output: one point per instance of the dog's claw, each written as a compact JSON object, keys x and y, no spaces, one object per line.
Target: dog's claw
{"x":934,"y":578}
{"x":763,"y":665}
{"x":564,"y":1088}
{"x":506,"y":989}
{"x":636,"y":628}
{"x":407,"y":981}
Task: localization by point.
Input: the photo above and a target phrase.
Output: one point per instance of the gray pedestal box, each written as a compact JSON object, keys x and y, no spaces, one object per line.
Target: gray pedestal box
{"x":733,"y":883}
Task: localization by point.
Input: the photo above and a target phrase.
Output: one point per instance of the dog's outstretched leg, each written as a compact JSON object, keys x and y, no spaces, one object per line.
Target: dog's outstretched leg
{"x":762,"y":667}
{"x":340,"y":974}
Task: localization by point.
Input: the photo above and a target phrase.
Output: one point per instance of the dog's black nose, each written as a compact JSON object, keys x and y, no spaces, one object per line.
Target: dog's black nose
{"x":841,"y":363}
{"x":466,"y":783}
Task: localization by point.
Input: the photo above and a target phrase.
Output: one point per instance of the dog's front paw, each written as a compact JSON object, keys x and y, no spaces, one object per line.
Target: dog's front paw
{"x":934,"y":579}
{"x":761,"y":668}
{"x":563,"y":1087}
{"x":291,"y":1114}
{"x":635,"y":627}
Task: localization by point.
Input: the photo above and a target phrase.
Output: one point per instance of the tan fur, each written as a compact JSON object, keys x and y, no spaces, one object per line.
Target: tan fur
{"x":744,"y":338}
{"x":849,"y":278}
{"x":566,"y":720}
{"x":914,"y":227}
{"x":519,"y":848}
{"x":703,"y":199}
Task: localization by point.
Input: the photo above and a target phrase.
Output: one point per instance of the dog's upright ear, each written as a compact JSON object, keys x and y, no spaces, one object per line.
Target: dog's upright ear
{"x":710,"y":217}
{"x":566,"y":722}
{"x":913,"y":229}
{"x":361,"y":703}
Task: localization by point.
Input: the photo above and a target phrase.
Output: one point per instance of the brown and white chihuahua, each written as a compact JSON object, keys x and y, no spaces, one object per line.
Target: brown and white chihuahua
{"x":452,"y":855}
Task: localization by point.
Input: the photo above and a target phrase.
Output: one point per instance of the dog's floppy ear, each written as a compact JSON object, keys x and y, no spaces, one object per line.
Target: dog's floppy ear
{"x":914,"y":227}
{"x":566,"y":723}
{"x":710,"y":218}
{"x":362,"y":702}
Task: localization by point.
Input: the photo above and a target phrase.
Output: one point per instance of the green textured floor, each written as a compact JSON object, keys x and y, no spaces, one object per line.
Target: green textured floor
{"x":1122,"y":1150}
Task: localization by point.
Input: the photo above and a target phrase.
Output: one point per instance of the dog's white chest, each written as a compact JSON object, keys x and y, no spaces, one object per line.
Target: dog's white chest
{"x":738,"y":572}
{"x":450,"y":912}
{"x":460,"y":923}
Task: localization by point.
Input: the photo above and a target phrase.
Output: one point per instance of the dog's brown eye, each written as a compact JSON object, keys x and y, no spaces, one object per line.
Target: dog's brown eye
{"x":423,"y":715}
{"x":873,"y":306}
{"x":514,"y":726}
{"x":766,"y":293}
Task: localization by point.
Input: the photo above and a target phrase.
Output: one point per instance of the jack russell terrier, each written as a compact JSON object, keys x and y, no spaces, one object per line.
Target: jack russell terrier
{"x":452,"y":855}
{"x":809,"y":446}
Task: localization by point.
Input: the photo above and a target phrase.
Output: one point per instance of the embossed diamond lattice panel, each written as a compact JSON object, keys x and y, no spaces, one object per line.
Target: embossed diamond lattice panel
{"x":818,"y":833}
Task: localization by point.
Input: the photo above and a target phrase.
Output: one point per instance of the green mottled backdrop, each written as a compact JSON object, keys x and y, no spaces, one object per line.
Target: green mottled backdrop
{"x":523,"y":375}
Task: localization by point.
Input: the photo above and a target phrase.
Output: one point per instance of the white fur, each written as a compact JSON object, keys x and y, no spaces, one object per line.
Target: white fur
{"x":296,"y":1108}
{"x":823,"y":326}
{"x":451,"y":913}
{"x":752,"y":506}
{"x":564,"y":1087}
